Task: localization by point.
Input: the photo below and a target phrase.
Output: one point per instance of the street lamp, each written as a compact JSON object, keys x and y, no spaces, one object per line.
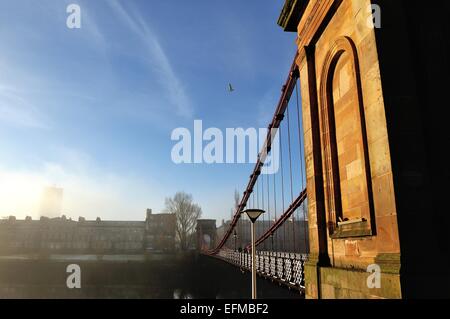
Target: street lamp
{"x":235,"y":238}
{"x":253,"y":215}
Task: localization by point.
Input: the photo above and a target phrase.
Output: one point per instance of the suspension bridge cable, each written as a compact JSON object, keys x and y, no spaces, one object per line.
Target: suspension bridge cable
{"x":258,"y":206}
{"x":275,"y":200}
{"x":282,"y":186}
{"x":257,"y":193}
{"x":237,"y":228}
{"x":253,"y":198}
{"x":255,"y":205}
{"x":261,"y":226}
{"x":262,"y":193}
{"x":290,"y":172}
{"x":242,"y":218}
{"x":268,"y":198}
{"x":240,"y":232}
{"x":290,"y":153}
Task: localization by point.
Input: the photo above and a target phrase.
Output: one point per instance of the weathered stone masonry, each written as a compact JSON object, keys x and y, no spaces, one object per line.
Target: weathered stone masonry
{"x":374,"y":145}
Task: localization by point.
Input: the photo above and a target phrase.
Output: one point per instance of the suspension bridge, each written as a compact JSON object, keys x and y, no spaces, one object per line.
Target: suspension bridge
{"x":282,"y":234}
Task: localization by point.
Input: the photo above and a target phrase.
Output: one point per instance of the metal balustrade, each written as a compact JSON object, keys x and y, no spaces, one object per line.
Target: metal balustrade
{"x":286,"y":268}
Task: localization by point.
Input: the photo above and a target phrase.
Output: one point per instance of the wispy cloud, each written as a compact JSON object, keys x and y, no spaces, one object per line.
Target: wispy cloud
{"x":157,"y":60}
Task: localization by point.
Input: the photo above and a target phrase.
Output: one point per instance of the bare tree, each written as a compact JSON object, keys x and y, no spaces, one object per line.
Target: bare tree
{"x":187,"y":213}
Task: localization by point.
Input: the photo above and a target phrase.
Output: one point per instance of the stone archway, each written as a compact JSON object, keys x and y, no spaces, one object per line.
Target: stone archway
{"x":206,"y":234}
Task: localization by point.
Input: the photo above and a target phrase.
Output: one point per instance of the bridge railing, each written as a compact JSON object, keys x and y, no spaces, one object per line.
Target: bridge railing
{"x":285,"y":268}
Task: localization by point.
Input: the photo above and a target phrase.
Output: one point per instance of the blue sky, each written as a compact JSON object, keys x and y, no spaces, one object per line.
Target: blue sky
{"x":92,"y":109}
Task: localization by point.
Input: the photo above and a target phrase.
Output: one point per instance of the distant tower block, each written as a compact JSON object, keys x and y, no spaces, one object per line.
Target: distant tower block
{"x":51,"y":202}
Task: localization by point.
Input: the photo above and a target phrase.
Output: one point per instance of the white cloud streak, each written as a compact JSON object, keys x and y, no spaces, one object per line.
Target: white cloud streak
{"x":158,"y":60}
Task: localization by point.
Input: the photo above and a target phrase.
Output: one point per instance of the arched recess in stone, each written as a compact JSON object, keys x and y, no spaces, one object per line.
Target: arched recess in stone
{"x":345,"y":159}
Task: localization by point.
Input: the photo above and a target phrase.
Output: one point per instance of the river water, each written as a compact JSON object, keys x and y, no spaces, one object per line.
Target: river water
{"x":143,"y":277}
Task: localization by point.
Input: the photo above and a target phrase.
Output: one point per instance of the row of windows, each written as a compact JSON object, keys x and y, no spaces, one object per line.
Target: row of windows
{"x":76,"y":245}
{"x":71,"y":237}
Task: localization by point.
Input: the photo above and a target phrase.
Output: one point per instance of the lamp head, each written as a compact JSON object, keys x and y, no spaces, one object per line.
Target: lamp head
{"x":253,"y":213}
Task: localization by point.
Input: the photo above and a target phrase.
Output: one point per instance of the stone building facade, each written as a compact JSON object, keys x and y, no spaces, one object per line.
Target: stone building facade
{"x":65,"y":236}
{"x":160,"y":231}
{"x":375,"y":135}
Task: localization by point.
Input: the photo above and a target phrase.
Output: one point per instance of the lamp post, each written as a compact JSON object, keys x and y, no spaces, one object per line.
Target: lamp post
{"x":253,"y":215}
{"x":235,"y":238}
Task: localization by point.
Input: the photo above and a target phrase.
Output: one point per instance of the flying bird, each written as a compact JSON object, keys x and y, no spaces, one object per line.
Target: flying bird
{"x":230,"y":88}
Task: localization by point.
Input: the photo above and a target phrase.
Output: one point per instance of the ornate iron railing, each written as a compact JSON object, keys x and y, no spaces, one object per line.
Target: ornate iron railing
{"x":286,"y":268}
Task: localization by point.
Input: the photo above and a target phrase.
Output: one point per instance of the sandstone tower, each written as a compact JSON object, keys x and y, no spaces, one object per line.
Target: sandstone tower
{"x":375,"y":136}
